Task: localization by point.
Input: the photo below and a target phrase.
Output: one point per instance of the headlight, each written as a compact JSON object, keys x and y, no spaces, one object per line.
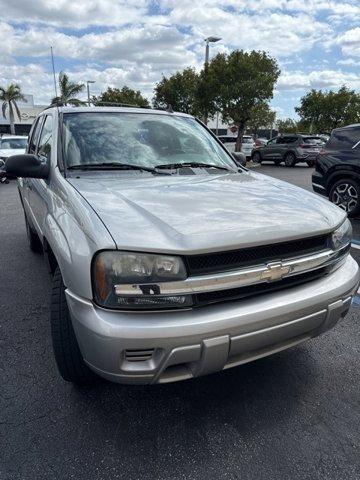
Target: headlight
{"x":342,"y":236}
{"x":114,"y":270}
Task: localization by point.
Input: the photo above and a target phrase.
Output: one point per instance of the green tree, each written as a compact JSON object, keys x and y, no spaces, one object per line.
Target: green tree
{"x":261,"y":116}
{"x":68,"y":91}
{"x":9,"y":97}
{"x":288,"y":125}
{"x":125,"y":96}
{"x":242,"y":81}
{"x":321,"y":111}
{"x":180,"y":90}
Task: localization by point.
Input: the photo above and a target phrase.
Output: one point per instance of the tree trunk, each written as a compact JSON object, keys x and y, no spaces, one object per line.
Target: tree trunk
{"x":241,"y":128}
{"x":11,"y":118}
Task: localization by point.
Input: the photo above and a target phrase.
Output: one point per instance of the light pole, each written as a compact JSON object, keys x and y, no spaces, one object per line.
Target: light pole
{"x":88,"y":89}
{"x":208,"y":40}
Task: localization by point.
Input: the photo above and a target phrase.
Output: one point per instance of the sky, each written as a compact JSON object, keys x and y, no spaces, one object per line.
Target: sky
{"x":135,"y":42}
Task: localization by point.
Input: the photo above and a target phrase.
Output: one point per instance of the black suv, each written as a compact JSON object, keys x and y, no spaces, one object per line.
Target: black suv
{"x":337,"y":171}
{"x":290,"y":149}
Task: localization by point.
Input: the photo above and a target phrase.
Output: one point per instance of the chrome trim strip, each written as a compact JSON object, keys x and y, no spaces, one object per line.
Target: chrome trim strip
{"x":269,"y":272}
{"x":318,"y":186}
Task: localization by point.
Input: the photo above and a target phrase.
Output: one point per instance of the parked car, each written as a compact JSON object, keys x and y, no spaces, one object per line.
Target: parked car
{"x":260,"y":141}
{"x":12,"y":145}
{"x":337,"y":170}
{"x":290,"y":149}
{"x":230,"y":142}
{"x":169,"y":261}
{"x":3,"y":177}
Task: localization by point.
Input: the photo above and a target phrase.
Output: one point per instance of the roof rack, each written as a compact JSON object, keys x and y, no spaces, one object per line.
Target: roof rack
{"x":116,"y":104}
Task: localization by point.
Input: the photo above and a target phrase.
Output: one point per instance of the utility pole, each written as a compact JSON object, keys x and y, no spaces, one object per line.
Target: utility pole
{"x":88,"y":90}
{"x":208,"y":40}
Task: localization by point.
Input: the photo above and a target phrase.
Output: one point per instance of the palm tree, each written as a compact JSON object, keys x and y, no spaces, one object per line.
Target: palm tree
{"x":68,"y":91}
{"x":9,"y":97}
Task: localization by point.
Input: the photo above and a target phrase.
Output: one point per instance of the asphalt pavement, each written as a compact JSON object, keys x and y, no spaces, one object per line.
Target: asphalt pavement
{"x":294,"y":415}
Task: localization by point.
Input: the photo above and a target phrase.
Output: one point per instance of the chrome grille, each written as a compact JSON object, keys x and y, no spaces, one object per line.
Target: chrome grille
{"x":233,"y":259}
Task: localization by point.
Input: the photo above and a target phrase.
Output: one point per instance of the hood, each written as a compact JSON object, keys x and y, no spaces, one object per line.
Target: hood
{"x":7,"y":152}
{"x":199,"y":213}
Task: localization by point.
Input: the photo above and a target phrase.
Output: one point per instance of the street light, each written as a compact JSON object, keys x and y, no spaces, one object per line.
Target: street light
{"x":88,"y":89}
{"x":209,"y":40}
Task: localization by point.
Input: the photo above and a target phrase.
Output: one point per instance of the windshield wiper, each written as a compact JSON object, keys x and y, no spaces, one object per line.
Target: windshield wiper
{"x":172,"y":166}
{"x":114,"y":166}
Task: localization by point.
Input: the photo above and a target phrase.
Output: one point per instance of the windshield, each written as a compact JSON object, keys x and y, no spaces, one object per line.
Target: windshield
{"x":13,"y":143}
{"x":139,"y":139}
{"x":248,"y":140}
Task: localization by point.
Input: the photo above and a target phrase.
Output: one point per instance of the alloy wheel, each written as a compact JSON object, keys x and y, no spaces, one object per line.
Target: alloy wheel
{"x":345,"y":196}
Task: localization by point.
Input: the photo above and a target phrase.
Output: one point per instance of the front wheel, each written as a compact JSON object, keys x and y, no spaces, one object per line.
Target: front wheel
{"x":345,"y":193}
{"x":290,"y":160}
{"x":256,"y":158}
{"x":66,"y":349}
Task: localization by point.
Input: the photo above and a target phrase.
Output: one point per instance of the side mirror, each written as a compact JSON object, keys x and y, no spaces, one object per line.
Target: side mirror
{"x":27,"y":166}
{"x":240,"y":158}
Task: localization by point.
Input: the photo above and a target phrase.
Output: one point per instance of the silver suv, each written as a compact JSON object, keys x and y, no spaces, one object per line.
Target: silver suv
{"x":290,"y":149}
{"x":168,"y":260}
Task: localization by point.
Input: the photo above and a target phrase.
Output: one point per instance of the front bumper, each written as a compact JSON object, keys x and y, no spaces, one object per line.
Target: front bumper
{"x":159,"y":347}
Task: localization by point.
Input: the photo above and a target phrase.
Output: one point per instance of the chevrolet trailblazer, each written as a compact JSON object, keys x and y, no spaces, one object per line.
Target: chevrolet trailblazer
{"x":169,"y":260}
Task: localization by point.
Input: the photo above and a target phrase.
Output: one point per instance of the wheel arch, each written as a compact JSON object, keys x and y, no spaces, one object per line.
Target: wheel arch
{"x":50,"y":257}
{"x":287,"y":153}
{"x":340,"y":175}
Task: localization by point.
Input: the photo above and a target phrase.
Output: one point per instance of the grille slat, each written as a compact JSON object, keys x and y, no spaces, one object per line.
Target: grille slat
{"x":139,"y":355}
{"x":229,"y":260}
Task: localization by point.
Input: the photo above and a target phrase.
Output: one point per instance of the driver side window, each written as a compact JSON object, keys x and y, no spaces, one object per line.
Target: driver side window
{"x":44,"y":148}
{"x":35,"y":135}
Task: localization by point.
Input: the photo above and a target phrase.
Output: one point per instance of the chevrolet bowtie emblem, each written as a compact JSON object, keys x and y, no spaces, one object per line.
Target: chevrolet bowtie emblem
{"x":274,"y":271}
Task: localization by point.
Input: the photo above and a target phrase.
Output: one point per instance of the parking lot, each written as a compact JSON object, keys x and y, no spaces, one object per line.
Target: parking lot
{"x":294,"y":415}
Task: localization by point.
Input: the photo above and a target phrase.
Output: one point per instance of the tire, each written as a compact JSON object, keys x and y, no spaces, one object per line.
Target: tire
{"x":256,"y":158}
{"x":33,"y":239}
{"x":290,"y":159}
{"x":345,"y":193}
{"x":66,"y":349}
{"x":311,"y":163}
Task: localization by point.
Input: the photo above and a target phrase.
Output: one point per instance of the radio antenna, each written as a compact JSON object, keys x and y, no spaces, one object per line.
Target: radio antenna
{"x":53,"y":69}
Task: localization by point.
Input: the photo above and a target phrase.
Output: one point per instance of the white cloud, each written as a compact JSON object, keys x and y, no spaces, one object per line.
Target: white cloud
{"x":70,"y":13}
{"x":349,"y":62}
{"x":350,"y":42}
{"x":317,"y":79}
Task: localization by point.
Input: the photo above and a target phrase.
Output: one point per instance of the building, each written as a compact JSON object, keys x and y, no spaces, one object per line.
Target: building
{"x":28,"y":113}
{"x":219,"y":127}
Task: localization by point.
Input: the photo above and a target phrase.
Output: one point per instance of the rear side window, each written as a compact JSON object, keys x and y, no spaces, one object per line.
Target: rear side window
{"x":312,"y":140}
{"x":35,"y":135}
{"x":344,"y":139}
{"x":290,"y":139}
